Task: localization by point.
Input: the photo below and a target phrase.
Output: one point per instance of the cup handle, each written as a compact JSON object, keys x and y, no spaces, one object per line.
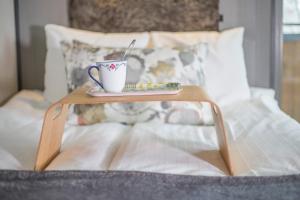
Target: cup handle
{"x":91,"y":76}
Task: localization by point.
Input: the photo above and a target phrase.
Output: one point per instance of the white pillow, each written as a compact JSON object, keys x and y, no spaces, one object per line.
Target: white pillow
{"x":55,"y":76}
{"x":225,"y":70}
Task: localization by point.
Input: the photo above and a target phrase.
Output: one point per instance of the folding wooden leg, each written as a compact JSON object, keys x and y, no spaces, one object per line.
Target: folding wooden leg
{"x":52,"y":131}
{"x":222,"y":136}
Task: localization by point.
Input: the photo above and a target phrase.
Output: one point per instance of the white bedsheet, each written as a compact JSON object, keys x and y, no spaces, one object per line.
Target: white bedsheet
{"x":264,"y":141}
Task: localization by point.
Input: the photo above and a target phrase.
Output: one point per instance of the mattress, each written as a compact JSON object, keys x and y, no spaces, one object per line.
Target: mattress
{"x":263,"y":141}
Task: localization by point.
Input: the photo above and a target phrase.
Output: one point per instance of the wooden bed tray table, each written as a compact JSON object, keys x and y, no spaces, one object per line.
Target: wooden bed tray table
{"x":56,"y":115}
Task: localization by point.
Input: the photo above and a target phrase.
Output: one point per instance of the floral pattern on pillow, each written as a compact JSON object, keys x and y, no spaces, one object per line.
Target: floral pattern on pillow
{"x":184,"y":65}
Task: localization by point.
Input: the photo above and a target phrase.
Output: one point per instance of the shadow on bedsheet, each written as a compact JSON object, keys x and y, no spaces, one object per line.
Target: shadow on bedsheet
{"x":214,"y":158}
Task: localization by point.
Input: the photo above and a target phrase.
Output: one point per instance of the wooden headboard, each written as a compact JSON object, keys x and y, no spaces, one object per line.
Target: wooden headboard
{"x":144,"y":15}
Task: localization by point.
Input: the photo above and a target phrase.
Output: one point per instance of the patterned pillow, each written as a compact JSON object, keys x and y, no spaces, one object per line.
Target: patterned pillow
{"x":184,"y":65}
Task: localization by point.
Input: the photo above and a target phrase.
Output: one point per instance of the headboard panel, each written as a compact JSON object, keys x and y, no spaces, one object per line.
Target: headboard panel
{"x":144,"y":15}
{"x":258,"y":22}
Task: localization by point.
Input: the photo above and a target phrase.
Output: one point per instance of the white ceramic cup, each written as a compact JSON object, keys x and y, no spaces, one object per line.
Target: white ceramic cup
{"x":112,"y":74}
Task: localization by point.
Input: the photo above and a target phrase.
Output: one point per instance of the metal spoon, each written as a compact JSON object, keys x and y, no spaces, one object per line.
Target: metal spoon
{"x":129,"y":48}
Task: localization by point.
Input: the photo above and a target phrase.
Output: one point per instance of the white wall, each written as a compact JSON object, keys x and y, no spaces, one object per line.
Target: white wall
{"x":8,"y":68}
{"x":34,"y":15}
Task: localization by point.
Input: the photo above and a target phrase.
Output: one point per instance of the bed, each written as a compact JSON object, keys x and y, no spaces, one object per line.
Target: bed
{"x":117,"y":155}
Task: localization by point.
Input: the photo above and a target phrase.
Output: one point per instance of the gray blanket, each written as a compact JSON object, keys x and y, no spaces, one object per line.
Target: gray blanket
{"x":75,"y":185}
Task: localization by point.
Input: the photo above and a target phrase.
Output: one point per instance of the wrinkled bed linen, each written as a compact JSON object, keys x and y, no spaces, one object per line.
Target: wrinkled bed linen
{"x":140,"y":148}
{"x":172,"y":149}
{"x":263,"y":141}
